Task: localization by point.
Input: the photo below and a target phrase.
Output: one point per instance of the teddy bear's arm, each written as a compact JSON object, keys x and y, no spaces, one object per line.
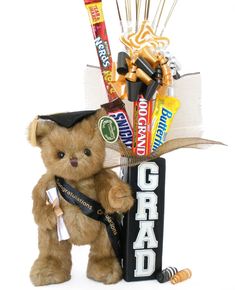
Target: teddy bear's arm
{"x":43,"y":212}
{"x":114,"y":194}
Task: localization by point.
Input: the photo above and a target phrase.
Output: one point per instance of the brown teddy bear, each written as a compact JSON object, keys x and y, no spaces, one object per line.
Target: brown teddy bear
{"x":72,"y":149}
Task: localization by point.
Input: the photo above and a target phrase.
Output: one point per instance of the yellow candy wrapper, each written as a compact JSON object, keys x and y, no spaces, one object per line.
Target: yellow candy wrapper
{"x":163,"y":115}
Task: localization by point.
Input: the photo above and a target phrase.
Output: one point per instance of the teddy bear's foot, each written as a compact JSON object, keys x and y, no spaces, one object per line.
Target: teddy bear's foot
{"x":48,"y":270}
{"x":106,"y":270}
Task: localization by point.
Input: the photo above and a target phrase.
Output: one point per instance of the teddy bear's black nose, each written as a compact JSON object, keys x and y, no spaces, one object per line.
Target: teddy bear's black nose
{"x":74,"y":161}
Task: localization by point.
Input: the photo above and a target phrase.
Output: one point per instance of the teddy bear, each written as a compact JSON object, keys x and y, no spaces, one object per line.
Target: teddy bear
{"x":73,"y":149}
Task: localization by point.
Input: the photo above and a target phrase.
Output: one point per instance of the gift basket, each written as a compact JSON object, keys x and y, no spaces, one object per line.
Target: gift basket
{"x":149,"y":109}
{"x":157,"y":110}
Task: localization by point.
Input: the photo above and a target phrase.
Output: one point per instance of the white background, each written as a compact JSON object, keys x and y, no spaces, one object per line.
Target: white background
{"x":44,"y":47}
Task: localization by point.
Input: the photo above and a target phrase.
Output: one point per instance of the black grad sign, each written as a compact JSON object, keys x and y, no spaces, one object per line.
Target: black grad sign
{"x":142,"y":239}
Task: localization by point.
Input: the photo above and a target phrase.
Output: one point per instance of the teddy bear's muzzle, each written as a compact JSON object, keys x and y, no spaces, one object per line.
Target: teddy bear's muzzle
{"x":74,"y":161}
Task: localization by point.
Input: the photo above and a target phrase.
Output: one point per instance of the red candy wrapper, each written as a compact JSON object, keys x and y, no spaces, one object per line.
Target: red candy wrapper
{"x":96,"y":16}
{"x":142,"y":127}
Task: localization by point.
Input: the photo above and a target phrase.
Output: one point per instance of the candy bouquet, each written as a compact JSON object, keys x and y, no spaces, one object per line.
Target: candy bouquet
{"x":141,"y":86}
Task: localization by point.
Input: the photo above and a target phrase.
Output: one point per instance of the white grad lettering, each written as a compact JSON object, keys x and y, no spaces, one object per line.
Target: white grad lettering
{"x":146,"y":200}
{"x":153,"y":176}
{"x":146,"y":234}
{"x":140,"y":255}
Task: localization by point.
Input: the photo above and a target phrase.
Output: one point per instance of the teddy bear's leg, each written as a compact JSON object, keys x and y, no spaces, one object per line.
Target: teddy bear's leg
{"x":103,"y":266}
{"x":53,"y":264}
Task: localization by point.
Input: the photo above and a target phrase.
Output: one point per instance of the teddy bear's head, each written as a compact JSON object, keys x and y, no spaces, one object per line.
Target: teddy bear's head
{"x":73,"y":153}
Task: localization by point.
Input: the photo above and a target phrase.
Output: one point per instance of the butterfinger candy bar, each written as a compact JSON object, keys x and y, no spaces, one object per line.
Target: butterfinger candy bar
{"x":116,"y":109}
{"x":164,"y":112}
{"x":142,"y":127}
{"x":96,"y":16}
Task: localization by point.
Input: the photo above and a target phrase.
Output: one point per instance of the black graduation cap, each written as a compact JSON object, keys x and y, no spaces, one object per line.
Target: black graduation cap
{"x":68,"y":120}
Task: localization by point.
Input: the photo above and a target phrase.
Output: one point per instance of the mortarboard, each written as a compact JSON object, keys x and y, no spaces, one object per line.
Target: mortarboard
{"x":69,"y":119}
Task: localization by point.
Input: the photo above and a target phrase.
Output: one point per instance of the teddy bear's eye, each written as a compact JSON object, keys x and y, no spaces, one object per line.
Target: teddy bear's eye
{"x":87,"y":152}
{"x":60,"y":154}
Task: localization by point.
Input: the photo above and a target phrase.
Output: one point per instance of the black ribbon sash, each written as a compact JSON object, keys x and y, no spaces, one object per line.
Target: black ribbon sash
{"x":94,"y":210}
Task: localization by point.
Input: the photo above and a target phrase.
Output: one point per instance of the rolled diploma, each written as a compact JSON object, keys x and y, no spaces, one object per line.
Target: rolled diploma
{"x":62,"y":231}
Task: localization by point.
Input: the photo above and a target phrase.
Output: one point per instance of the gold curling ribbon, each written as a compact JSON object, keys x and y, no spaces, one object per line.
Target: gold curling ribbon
{"x":118,"y":82}
{"x":162,"y":91}
{"x":143,"y":43}
{"x":143,"y":76}
{"x":149,"y":56}
{"x":145,"y":36}
{"x":131,"y":75}
{"x":166,"y":71}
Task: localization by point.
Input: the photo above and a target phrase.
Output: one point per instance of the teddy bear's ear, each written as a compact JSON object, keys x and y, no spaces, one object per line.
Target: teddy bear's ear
{"x":38,"y":129}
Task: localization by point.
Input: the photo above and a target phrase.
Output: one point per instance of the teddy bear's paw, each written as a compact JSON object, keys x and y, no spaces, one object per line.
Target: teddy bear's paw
{"x":46,"y":218}
{"x":120,"y":198}
{"x":49,"y":218}
{"x":48,"y":270}
{"x":106,"y":270}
